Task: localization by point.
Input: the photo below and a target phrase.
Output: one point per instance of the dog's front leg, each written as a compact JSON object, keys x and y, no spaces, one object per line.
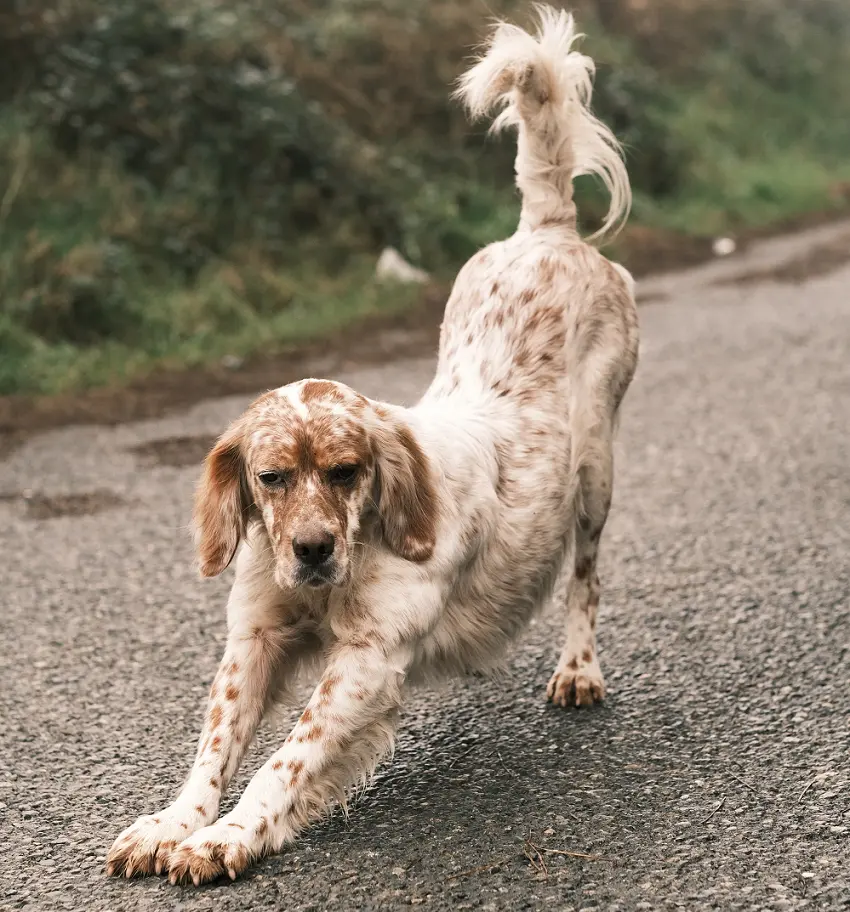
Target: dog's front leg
{"x":348,"y":725}
{"x":263,"y":652}
{"x":236,"y":704}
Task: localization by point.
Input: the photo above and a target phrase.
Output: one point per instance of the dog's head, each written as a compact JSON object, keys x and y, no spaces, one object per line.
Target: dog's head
{"x":309,"y":461}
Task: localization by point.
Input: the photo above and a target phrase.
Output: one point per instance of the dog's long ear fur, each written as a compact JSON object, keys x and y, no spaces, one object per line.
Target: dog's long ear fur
{"x":408,"y":499}
{"x":222,"y":502}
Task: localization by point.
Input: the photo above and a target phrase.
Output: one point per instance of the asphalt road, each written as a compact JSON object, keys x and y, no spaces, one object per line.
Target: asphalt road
{"x":717,"y":774}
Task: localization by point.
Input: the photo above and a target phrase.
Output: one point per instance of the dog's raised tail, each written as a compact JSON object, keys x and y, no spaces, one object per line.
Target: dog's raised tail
{"x":543,"y":87}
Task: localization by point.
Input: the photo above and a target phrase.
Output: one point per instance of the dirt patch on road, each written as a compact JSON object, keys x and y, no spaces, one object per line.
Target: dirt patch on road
{"x":9,"y":442}
{"x":655,"y":297}
{"x":45,"y":506}
{"x":818,"y":261}
{"x":175,"y":452}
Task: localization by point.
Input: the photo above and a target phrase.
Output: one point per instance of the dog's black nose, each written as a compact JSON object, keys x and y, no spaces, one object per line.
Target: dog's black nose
{"x":315,"y":550}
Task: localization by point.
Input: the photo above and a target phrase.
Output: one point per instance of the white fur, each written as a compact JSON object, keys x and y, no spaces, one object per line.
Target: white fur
{"x":538,"y":347}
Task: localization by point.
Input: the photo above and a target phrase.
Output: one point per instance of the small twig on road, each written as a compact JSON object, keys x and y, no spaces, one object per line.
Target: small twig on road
{"x":747,"y":784}
{"x":486,"y":756}
{"x":461,"y":756}
{"x":512,"y":775}
{"x":540,"y":861}
{"x":802,"y":794}
{"x":583,"y":855}
{"x":538,"y":864}
{"x":719,"y":805}
{"x":535,"y":866}
{"x":481,"y":870}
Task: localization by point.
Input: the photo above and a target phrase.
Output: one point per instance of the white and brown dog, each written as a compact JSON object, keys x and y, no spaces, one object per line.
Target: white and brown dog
{"x":385,"y":546}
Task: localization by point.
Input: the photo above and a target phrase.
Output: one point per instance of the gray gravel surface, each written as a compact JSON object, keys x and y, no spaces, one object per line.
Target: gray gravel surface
{"x":717,"y":774}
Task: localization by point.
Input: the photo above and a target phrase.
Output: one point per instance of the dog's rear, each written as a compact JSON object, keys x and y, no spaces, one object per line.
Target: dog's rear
{"x":541,"y":85}
{"x":548,"y":293}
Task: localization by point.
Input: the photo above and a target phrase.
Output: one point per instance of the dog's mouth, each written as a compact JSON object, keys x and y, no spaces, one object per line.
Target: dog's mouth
{"x":316,"y":577}
{"x":316,"y":581}
{"x":294,"y":575}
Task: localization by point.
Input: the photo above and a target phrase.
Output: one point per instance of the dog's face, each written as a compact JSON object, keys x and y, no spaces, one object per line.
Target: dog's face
{"x":310,"y":460}
{"x":310,"y":470}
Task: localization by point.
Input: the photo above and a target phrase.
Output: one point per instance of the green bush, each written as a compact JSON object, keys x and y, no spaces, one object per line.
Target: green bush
{"x":207,"y":122}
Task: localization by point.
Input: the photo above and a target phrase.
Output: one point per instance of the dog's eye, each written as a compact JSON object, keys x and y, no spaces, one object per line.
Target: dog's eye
{"x":272,"y":479}
{"x":343,"y":474}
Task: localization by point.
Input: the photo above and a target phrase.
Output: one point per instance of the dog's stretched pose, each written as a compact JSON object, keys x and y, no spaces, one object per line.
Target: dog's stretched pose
{"x":384,"y":546}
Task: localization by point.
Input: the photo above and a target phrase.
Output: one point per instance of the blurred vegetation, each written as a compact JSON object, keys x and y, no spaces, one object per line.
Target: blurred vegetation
{"x":185,"y":179}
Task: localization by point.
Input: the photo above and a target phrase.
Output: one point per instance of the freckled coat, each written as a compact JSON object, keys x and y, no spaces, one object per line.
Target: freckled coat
{"x":540,"y":331}
{"x":382,"y":546}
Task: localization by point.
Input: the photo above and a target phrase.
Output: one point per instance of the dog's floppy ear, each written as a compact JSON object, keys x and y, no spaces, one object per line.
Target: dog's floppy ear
{"x":222,"y":502}
{"x":407,"y":500}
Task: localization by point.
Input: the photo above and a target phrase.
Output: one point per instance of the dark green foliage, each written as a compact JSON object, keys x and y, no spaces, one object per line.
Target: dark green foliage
{"x":206,"y":121}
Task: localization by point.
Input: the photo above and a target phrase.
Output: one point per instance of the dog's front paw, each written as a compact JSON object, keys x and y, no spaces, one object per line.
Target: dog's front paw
{"x":144,"y":847}
{"x":577,"y":682}
{"x":226,"y":847}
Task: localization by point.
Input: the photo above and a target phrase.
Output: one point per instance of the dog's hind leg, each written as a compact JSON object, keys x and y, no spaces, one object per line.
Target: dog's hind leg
{"x":578,"y":678}
{"x":605,"y":341}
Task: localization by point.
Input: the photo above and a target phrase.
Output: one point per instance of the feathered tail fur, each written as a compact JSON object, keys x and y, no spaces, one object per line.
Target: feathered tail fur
{"x":543,"y":87}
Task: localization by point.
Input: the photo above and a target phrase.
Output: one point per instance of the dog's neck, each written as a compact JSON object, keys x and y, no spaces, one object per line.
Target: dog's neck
{"x":458,"y":440}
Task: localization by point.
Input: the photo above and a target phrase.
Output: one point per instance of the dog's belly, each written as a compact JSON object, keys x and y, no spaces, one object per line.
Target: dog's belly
{"x":509,"y":577}
{"x":509,"y":477}
{"x":483,"y":616}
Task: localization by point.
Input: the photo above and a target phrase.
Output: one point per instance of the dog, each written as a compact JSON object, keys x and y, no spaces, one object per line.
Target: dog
{"x":385,"y":547}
